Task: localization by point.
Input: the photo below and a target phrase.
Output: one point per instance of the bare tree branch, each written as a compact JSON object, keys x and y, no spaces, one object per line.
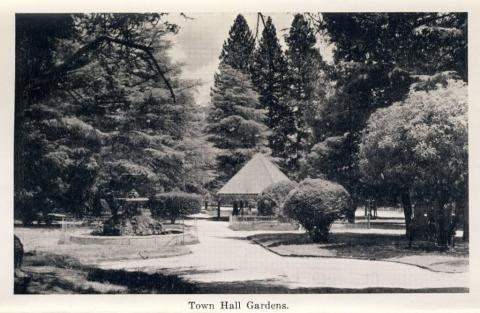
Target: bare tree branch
{"x":259,"y":16}
{"x":186,"y":17}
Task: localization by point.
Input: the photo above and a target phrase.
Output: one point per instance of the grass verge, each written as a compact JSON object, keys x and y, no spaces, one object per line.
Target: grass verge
{"x":385,"y":247}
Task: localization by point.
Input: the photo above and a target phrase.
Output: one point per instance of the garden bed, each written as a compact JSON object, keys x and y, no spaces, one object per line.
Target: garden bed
{"x":147,"y":241}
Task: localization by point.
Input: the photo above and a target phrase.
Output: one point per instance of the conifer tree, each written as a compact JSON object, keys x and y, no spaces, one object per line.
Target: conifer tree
{"x":238,"y":49}
{"x":304,"y":69}
{"x":269,"y":72}
{"x":235,"y":121}
{"x":106,"y":123}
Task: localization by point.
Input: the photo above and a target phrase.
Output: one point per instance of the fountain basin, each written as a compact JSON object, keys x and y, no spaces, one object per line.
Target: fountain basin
{"x":150,"y":241}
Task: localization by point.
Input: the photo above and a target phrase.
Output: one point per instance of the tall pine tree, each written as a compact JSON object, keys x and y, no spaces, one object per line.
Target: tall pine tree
{"x":238,"y":49}
{"x":235,"y":121}
{"x":304,"y":68}
{"x":269,"y":72}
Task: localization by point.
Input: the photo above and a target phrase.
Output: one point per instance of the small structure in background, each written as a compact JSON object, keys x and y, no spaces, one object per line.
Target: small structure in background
{"x":242,"y":190}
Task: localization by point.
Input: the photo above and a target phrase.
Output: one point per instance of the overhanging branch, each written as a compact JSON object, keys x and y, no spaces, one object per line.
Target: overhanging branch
{"x":75,"y":61}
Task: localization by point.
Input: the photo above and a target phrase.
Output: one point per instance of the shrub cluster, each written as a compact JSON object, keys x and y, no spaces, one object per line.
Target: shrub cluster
{"x":316,"y":204}
{"x":172,"y":205}
{"x":271,"y":199}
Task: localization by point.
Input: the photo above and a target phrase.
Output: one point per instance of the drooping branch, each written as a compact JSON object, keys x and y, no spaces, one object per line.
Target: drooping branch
{"x":77,"y":59}
{"x":433,"y":18}
{"x":262,"y":18}
{"x":259,"y":16}
{"x":186,"y":17}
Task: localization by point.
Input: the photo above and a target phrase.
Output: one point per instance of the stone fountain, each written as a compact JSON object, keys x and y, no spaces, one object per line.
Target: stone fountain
{"x":131,"y":217}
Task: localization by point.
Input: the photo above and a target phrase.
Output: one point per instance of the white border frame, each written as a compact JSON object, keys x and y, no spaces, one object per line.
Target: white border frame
{"x":469,"y":302}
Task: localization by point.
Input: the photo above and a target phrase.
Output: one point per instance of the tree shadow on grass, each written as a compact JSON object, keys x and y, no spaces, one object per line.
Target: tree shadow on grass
{"x":52,"y":281}
{"x":233,"y":237}
{"x":269,"y":287}
{"x":139,"y":282}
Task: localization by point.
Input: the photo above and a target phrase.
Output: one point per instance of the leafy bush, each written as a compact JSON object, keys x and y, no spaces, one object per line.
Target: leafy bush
{"x":316,"y":204}
{"x":271,"y":199}
{"x":173,"y":205}
{"x":420,"y":148}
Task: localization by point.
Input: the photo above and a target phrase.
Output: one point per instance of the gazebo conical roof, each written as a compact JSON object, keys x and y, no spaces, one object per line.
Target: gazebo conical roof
{"x":253,"y":177}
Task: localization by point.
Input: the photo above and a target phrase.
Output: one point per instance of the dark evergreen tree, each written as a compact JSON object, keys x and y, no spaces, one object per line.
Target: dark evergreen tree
{"x":377,"y":57}
{"x":235,"y":121}
{"x":269,"y":73}
{"x":420,"y":43}
{"x":337,"y":123}
{"x":238,"y":49}
{"x":95,"y":114}
{"x":304,"y":72}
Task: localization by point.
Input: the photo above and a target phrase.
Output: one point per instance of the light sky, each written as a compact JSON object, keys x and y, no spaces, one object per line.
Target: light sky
{"x":199,"y":42}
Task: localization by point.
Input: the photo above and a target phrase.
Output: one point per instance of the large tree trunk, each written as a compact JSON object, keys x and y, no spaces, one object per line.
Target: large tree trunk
{"x":442,"y":224}
{"x":463,"y":205}
{"x":407,"y":210}
{"x":465,"y":222}
{"x":351,"y":217}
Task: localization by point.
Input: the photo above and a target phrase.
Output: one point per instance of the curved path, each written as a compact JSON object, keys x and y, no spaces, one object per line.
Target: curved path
{"x":224,"y":255}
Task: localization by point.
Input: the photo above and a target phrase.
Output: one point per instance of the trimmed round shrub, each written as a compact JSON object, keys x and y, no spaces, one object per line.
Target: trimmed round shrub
{"x":316,"y":204}
{"x":172,"y":205}
{"x":271,"y":199}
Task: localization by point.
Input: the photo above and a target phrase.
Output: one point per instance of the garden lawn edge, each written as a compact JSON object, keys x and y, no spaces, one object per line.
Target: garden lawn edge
{"x":344,"y":257}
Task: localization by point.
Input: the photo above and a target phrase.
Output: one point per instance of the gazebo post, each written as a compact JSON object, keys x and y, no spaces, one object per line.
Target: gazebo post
{"x":218,"y":208}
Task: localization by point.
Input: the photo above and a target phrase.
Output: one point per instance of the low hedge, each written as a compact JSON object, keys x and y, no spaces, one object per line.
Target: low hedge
{"x":316,"y":204}
{"x":271,"y":198}
{"x":172,"y":205}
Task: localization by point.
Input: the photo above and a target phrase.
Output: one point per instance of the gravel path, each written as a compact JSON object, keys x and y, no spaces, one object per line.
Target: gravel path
{"x":227,"y":256}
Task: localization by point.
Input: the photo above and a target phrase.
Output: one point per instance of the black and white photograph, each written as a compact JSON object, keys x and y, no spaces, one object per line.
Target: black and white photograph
{"x":284,"y":152}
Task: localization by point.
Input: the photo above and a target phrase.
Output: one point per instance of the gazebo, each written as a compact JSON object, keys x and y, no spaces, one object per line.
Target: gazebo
{"x":250,"y":181}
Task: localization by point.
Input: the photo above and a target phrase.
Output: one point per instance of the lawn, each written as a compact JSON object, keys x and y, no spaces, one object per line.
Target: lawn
{"x":48,"y":240}
{"x":59,"y":268}
{"x":60,"y":274}
{"x":384,"y":240}
{"x":56,"y":268}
